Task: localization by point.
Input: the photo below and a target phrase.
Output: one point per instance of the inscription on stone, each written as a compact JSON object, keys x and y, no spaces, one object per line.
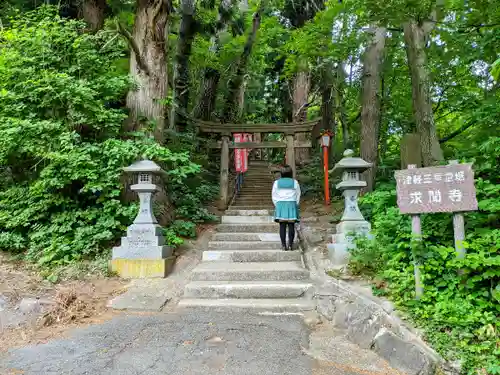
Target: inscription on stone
{"x":448,"y":188}
{"x":141,"y":238}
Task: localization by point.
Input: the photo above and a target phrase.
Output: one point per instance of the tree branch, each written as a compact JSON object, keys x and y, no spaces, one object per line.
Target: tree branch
{"x":458,"y":131}
{"x":354,"y":119}
{"x":441,"y":98}
{"x":135,"y":48}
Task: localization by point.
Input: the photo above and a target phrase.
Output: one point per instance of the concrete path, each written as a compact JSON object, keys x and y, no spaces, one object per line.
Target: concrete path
{"x":192,"y":343}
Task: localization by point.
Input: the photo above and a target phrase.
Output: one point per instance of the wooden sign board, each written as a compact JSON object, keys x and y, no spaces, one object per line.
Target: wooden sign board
{"x":447,"y":188}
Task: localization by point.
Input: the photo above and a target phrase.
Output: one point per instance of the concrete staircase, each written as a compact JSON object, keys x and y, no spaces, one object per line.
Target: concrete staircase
{"x":244,"y":266}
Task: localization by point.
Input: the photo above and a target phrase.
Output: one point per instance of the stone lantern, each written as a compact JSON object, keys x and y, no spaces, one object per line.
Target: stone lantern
{"x":352,"y":223}
{"x":143,"y":252}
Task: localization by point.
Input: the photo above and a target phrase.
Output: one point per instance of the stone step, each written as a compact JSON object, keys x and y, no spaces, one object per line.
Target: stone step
{"x":251,"y":271}
{"x":256,"y":188}
{"x":256,"y":199}
{"x":264,"y":176}
{"x":279,"y":305}
{"x":253,"y":207}
{"x":226,"y":219}
{"x":254,"y":202}
{"x":259,"y":196}
{"x":237,"y":212}
{"x":243,"y":245}
{"x":261,"y":193}
{"x":248,"y":228}
{"x":257,"y":183}
{"x":244,"y":205}
{"x":244,"y":237}
{"x":242,"y":255}
{"x":248,"y":289}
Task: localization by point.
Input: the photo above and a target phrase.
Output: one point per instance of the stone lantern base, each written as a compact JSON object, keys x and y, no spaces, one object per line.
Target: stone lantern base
{"x":143,"y":253}
{"x":344,"y":241}
{"x":142,"y":268}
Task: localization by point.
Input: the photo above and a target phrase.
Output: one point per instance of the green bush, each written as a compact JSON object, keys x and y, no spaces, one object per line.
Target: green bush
{"x":460,"y":309}
{"x":62,"y":145}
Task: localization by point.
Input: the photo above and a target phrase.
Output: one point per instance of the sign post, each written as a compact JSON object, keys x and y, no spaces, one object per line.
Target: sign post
{"x":458,"y":227}
{"x":416,"y":231}
{"x":448,"y":188}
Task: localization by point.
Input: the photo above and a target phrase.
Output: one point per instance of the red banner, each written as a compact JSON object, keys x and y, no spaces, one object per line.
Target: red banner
{"x":241,"y":154}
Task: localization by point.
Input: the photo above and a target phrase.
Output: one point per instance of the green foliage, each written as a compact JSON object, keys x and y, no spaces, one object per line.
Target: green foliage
{"x":495,"y":70}
{"x":460,"y":309}
{"x":62,"y":148}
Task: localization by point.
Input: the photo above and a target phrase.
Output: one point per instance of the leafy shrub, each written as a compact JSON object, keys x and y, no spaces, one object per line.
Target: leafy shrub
{"x":62,"y":146}
{"x":460,"y":309}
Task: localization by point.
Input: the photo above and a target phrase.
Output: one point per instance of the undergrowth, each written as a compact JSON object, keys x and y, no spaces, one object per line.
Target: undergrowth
{"x":460,"y":309}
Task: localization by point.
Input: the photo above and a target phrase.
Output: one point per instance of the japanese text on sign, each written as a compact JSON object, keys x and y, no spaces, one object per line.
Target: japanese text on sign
{"x":447,"y":188}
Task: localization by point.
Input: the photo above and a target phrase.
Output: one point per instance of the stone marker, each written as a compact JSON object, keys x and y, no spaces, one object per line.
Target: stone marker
{"x":143,"y":252}
{"x":411,"y":151}
{"x":352,"y":222}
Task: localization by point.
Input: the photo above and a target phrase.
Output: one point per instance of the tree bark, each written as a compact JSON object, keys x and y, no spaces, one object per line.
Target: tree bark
{"x":327,"y":101}
{"x":230,"y":111}
{"x":205,"y":106}
{"x":148,"y":66}
{"x":93,"y":13}
{"x":340,"y":105}
{"x":187,"y":30}
{"x":370,"y":104}
{"x":301,"y":86}
{"x":416,"y":36}
{"x":327,"y":109}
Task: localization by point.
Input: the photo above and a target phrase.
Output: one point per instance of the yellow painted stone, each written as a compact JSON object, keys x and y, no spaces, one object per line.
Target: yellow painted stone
{"x":142,"y":268}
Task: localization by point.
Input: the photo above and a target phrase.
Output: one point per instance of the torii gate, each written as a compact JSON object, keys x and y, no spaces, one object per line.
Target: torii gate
{"x":226,"y":131}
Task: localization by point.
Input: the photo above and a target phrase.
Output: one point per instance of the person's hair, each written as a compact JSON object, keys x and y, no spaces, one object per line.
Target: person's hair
{"x":286,"y":171}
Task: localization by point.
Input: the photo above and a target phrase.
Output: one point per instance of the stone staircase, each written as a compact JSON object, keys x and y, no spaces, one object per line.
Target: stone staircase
{"x":244,"y":266}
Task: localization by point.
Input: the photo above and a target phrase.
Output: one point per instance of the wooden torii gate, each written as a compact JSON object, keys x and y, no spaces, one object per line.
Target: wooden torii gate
{"x":226,"y":131}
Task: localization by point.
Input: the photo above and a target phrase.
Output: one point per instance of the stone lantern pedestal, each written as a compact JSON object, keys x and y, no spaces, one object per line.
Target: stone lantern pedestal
{"x":352,"y":223}
{"x":143,"y":253}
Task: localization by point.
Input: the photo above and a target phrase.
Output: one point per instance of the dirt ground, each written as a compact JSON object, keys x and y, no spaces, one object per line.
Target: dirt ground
{"x":60,"y":307}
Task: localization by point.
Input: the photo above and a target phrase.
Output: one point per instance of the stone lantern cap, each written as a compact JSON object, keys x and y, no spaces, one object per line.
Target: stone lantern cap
{"x":348,"y":162}
{"x":143,"y":166}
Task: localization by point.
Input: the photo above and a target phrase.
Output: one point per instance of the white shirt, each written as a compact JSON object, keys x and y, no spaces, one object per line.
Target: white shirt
{"x":286,"y":194}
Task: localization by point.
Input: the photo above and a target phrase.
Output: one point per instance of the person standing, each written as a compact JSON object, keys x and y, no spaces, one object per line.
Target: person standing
{"x":286,"y":200}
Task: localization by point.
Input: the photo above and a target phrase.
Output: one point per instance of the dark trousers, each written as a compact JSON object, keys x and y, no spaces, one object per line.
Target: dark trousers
{"x":291,"y":232}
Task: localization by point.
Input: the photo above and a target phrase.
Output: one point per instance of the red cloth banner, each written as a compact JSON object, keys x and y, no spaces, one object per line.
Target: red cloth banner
{"x":241,"y":154}
{"x":238,"y":153}
{"x":246,"y":138}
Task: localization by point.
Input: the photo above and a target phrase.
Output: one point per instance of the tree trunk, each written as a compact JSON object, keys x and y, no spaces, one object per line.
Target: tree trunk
{"x":301,"y":85}
{"x":328,"y":109}
{"x":148,"y":66}
{"x":230,"y":111}
{"x":208,"y":94}
{"x":416,"y":36}
{"x":240,"y":109}
{"x":370,"y":104}
{"x":340,"y":105}
{"x":187,"y":29}
{"x":93,"y":13}
{"x":205,"y":106}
